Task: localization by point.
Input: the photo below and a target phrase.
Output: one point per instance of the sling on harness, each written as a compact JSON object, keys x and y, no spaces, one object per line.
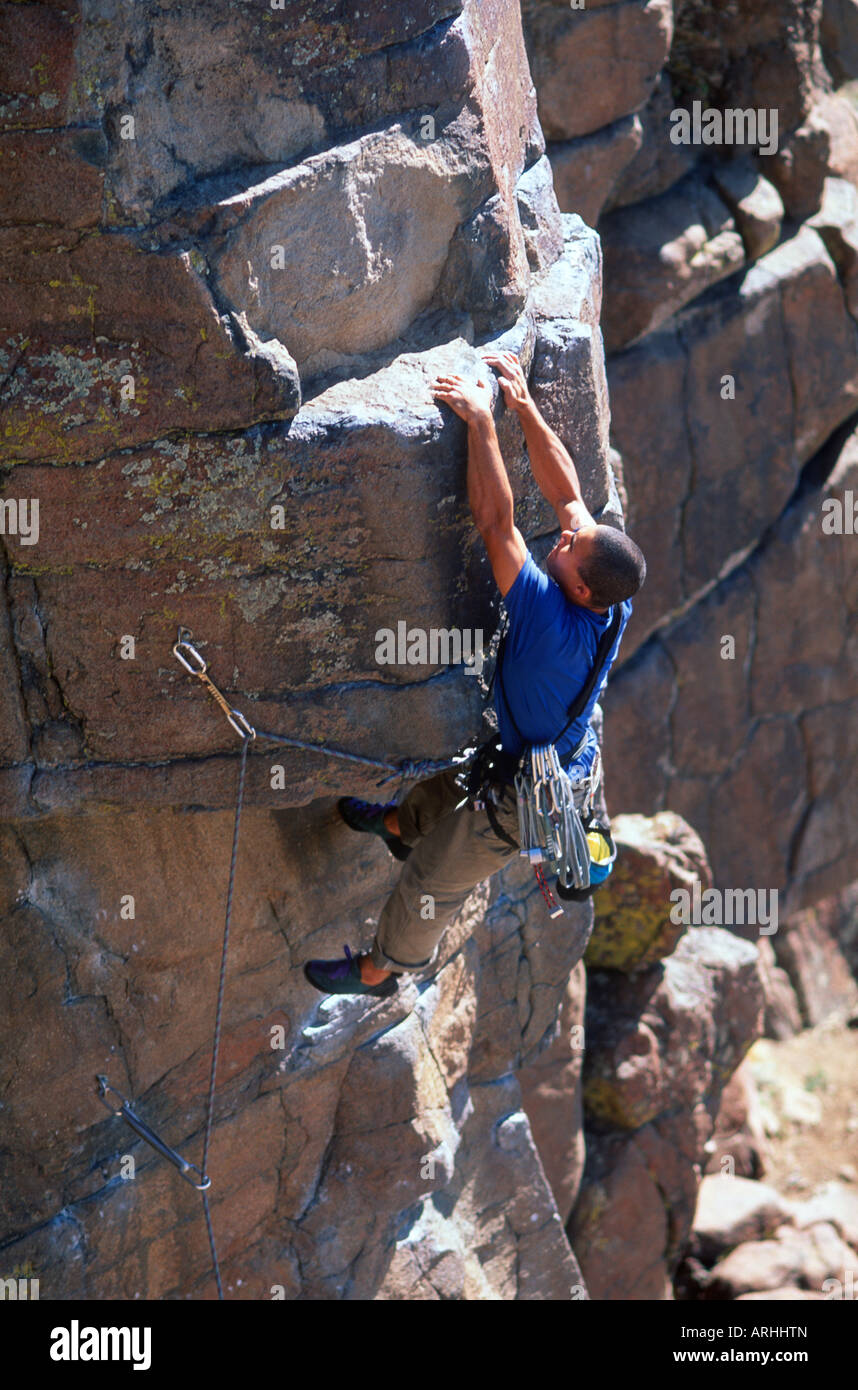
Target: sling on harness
{"x":555,"y":809}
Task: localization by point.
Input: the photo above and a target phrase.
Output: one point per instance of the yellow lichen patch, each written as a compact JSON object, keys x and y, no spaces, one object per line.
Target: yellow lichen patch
{"x":198,"y":262}
{"x":603,"y":1102}
{"x":32,"y":570}
{"x":187,"y":394}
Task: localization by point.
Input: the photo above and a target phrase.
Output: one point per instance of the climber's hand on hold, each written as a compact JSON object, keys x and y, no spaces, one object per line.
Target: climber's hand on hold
{"x":511,"y":380}
{"x":471,"y":401}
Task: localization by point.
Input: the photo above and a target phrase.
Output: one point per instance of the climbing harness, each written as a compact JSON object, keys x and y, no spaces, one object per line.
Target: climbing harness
{"x":555,"y":806}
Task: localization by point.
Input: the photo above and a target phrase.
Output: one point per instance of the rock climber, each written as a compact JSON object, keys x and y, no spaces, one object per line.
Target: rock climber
{"x":555,"y":619}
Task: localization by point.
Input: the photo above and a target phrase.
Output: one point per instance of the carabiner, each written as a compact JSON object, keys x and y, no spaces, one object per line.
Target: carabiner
{"x":542,"y":787}
{"x":197,"y":670}
{"x":237,"y":719}
{"x":146,"y":1133}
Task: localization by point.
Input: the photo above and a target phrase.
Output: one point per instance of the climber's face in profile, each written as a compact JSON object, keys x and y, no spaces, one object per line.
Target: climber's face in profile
{"x":568,"y":558}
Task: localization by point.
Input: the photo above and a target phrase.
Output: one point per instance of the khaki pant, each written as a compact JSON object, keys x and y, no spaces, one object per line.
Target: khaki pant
{"x":455,"y":848}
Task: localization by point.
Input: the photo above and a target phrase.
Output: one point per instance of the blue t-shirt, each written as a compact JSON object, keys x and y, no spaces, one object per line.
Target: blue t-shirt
{"x":548,"y":656}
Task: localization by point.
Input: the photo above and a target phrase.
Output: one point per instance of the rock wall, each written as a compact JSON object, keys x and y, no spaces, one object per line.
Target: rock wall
{"x":225,"y":285}
{"x":220,"y":317}
{"x":730,"y":326}
{"x":359,"y":1152}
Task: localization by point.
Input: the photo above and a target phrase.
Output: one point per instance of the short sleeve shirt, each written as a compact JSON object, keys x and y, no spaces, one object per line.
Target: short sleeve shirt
{"x":548,"y":655}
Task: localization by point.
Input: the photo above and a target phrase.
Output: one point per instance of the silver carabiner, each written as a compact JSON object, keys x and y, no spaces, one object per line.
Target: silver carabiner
{"x":542,"y":787}
{"x":237,"y":719}
{"x":195,"y":670}
{"x":148,"y":1135}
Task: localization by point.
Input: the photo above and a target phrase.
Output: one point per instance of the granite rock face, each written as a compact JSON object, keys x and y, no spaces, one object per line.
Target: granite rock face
{"x":225,"y":287}
{"x":809,"y":952}
{"x":660,"y":1046}
{"x":732,"y":1210}
{"x":739,"y":1146}
{"x":778,"y":714}
{"x":814,"y":1260}
{"x":594,"y":64}
{"x":552,"y":1098}
{"x":216,"y":381}
{"x":635,"y":922}
{"x":750,"y":1242}
{"x":358,"y":1152}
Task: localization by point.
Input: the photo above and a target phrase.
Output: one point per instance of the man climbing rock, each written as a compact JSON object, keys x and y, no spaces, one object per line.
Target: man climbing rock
{"x":449,"y":841}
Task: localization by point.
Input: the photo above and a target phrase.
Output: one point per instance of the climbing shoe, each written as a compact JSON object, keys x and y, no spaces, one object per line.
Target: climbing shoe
{"x":343,"y":977}
{"x":368,"y":816}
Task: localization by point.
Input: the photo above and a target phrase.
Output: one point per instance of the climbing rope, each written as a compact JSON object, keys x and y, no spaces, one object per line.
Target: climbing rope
{"x":125,"y":1110}
{"x":407,"y":769}
{"x":239,"y":802}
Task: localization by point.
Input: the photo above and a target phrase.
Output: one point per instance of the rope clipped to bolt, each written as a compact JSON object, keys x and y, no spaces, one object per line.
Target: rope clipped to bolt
{"x":187,"y":1169}
{"x":189,"y":657}
{"x":407,"y":769}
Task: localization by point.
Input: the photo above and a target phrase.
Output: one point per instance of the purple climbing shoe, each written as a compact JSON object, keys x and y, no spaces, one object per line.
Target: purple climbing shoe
{"x":343,"y":977}
{"x":368,"y":817}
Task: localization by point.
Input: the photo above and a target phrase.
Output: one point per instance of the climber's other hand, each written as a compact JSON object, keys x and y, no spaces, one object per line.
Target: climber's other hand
{"x":471,"y":400}
{"x":511,"y":378}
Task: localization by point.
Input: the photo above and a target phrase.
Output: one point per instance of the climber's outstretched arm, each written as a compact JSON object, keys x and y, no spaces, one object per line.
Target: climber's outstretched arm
{"x":550,"y":461}
{"x":489,"y":492}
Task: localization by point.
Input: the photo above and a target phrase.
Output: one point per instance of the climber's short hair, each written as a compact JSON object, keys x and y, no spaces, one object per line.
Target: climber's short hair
{"x":615,"y":568}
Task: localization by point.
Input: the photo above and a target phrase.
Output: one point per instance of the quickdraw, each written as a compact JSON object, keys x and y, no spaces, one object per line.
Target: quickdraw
{"x":196,"y":666}
{"x":125,"y":1110}
{"x":406,"y":769}
{"x":551,"y":814}
{"x":140,"y":1127}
